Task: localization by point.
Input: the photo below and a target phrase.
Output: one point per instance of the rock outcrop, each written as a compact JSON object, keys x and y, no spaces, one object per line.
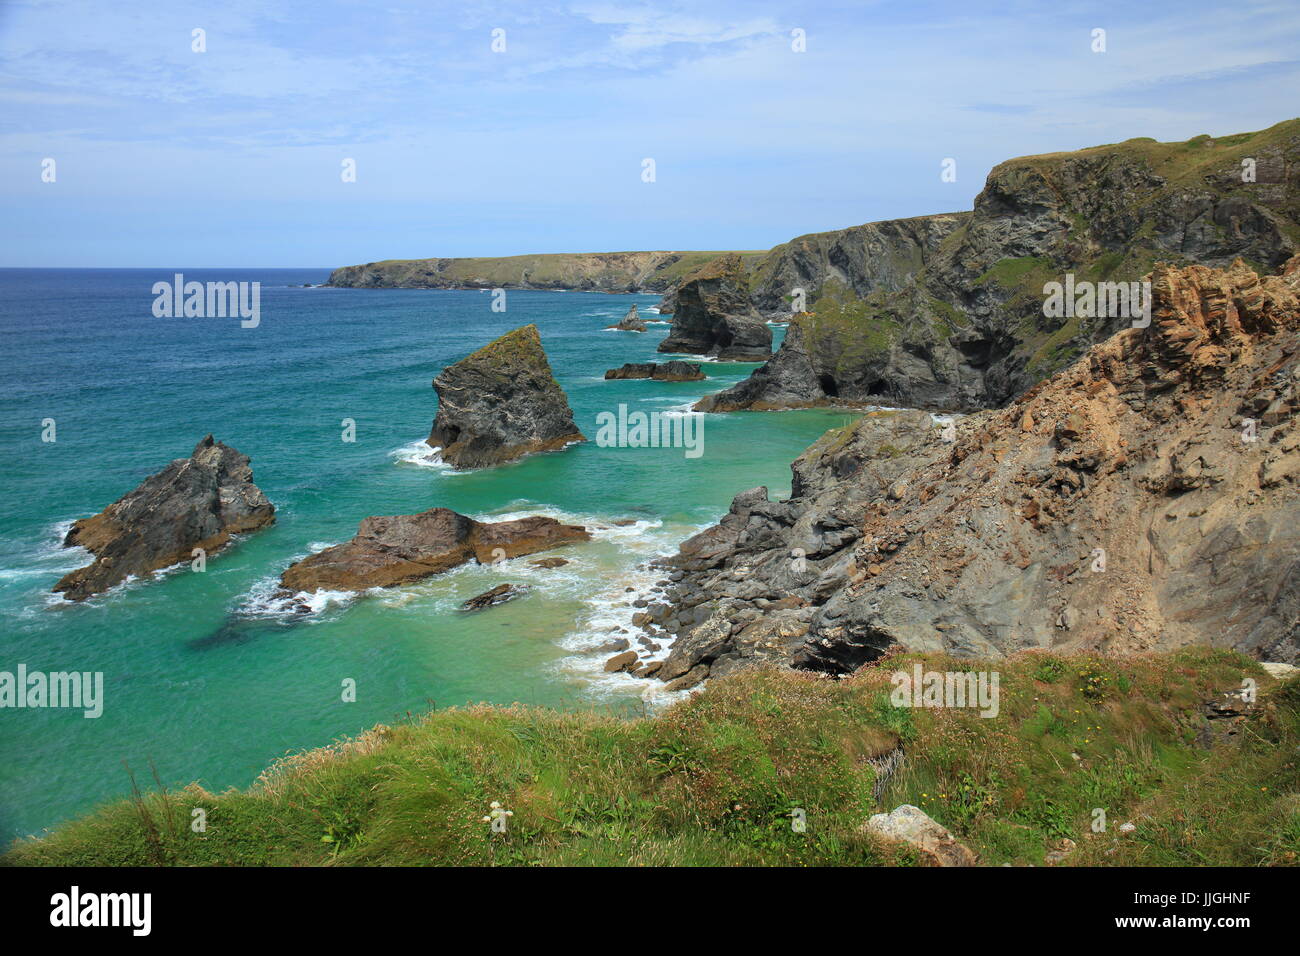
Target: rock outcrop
{"x":659,"y":371}
{"x":1145,"y":498}
{"x":713,"y":315}
{"x":501,"y":403}
{"x":669,"y":302}
{"x":631,"y":322}
{"x":875,"y":257}
{"x":195,"y":502}
{"x":398,"y":549}
{"x":960,"y":324}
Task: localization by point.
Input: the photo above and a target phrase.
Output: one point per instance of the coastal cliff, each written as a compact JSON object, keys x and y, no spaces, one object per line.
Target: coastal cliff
{"x":582,"y":272}
{"x":1145,"y":498}
{"x":964,"y":327}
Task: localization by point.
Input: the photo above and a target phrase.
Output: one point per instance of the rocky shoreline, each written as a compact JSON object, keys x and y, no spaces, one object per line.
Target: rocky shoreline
{"x":1143,"y":499}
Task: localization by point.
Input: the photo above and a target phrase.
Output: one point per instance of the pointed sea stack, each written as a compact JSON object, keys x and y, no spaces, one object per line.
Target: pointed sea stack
{"x":713,"y":315}
{"x":501,"y":403}
{"x":195,"y":502}
{"x":632,"y":322}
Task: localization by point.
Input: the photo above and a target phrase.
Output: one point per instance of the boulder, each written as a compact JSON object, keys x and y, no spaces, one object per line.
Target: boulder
{"x":912,"y":826}
{"x":621,"y":662}
{"x":501,"y":403}
{"x":397,"y":549}
{"x":691,"y":678}
{"x":195,"y":502}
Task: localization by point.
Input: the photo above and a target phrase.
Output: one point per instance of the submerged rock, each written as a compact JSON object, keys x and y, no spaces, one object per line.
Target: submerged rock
{"x":398,"y":549}
{"x":501,"y":403}
{"x":497,"y":595}
{"x":675,"y":371}
{"x":632,"y":322}
{"x":195,"y":502}
{"x":713,"y":315}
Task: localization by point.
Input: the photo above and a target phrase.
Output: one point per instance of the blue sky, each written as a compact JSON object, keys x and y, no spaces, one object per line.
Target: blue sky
{"x":232,"y":157}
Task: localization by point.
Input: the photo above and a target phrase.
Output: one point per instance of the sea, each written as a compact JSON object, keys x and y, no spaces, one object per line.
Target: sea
{"x":207,"y":678}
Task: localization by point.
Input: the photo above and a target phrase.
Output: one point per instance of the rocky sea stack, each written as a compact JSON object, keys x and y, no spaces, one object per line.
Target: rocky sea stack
{"x":713,"y":315}
{"x":501,"y":403}
{"x":661,"y":372}
{"x":398,"y":549}
{"x":195,"y":502}
{"x":632,"y":322}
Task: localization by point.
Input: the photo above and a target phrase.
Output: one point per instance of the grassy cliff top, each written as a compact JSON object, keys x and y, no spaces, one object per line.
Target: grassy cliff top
{"x":517,"y":351}
{"x":716,"y":778}
{"x":1178,"y":162}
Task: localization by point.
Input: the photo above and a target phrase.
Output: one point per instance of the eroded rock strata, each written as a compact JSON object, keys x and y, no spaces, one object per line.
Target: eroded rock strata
{"x":398,"y":549}
{"x":195,"y":502}
{"x":1146,"y":497}
{"x":713,"y":315}
{"x":501,"y":403}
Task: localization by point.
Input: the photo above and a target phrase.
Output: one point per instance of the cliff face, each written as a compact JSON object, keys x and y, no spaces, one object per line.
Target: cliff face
{"x":862,"y":259}
{"x":596,"y":272}
{"x":967,"y":330}
{"x":195,"y":502}
{"x":713,"y":315}
{"x":1146,"y":497}
{"x":501,"y":403}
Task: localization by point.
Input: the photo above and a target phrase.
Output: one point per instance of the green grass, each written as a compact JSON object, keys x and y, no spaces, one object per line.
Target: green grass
{"x":1012,"y":273}
{"x":716,"y":779}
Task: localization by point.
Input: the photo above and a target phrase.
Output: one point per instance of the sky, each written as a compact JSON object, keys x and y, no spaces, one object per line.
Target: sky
{"x":764,"y":121}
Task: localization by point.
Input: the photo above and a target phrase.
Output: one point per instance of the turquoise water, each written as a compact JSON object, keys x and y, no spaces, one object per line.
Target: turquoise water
{"x":202,"y":675}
